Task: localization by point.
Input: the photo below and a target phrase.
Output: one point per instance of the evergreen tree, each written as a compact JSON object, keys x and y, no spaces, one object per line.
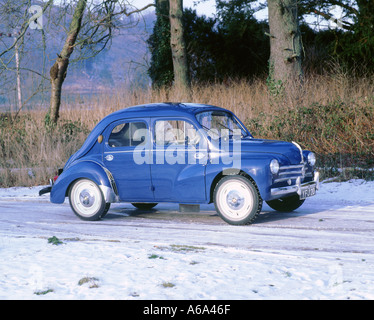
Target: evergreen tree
{"x":161,"y":65}
{"x":232,"y":45}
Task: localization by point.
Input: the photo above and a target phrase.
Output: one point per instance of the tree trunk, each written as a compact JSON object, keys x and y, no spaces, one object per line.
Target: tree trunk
{"x":59,"y":68}
{"x":18,"y":74}
{"x":178,"y":47}
{"x":58,"y":74}
{"x":285,"y":43}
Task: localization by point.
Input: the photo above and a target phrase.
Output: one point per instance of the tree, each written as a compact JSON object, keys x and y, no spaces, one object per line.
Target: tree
{"x":89,"y":24}
{"x":285,"y":66}
{"x":354,"y":32}
{"x":243,"y":46}
{"x":15,"y":22}
{"x":230,"y":45}
{"x":102,"y":17}
{"x":169,"y":63}
{"x":59,"y":68}
{"x":161,"y":64}
{"x":178,"y":47}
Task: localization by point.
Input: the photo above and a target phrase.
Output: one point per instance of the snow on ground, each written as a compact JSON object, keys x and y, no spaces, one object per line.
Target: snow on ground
{"x":352,"y":191}
{"x":127,"y":267}
{"x":149,"y":270}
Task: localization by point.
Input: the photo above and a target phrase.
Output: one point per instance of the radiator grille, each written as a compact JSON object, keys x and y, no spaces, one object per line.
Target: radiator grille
{"x":291,"y":172}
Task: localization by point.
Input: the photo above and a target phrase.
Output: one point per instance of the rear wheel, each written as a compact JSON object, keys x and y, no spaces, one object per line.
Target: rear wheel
{"x":237,"y":200}
{"x":87,"y":200}
{"x":286,"y":204}
{"x":144,"y":206}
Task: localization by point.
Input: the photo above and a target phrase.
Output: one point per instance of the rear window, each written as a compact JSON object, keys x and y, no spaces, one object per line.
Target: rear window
{"x":128,"y":134}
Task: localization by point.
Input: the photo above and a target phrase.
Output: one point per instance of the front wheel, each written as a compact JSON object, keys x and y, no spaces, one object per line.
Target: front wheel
{"x":87,"y":200}
{"x":237,"y":200}
{"x":286,"y":204}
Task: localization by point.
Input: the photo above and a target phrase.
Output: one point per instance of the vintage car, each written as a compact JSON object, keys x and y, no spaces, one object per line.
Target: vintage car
{"x":184,"y":153}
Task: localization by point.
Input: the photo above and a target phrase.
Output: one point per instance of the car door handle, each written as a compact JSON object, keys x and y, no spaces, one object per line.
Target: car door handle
{"x":109,"y":157}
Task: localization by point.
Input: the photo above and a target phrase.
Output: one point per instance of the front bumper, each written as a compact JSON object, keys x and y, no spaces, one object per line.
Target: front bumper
{"x":297,"y":188}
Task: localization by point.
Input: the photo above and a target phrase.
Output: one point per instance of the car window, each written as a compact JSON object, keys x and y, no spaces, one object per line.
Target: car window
{"x":220,"y":123}
{"x":128,"y":134}
{"x":176,"y":132}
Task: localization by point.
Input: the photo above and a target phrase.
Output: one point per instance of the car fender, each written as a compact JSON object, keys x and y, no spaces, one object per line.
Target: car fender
{"x":88,"y":170}
{"x":259,"y":171}
{"x":256,"y":168}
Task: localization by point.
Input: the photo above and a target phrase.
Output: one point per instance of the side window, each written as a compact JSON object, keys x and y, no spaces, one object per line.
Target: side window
{"x":128,"y":134}
{"x":177,"y":132}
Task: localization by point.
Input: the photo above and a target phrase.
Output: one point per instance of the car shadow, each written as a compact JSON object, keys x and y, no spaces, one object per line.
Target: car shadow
{"x":166,"y":212}
{"x":119,"y":213}
{"x":207,"y":214}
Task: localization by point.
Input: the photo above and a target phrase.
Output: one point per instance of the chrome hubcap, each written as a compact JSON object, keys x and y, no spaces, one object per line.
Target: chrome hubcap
{"x":235,"y":200}
{"x":86,"y":198}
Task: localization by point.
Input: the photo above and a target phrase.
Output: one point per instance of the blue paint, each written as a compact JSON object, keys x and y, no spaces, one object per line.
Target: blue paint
{"x":166,"y":173}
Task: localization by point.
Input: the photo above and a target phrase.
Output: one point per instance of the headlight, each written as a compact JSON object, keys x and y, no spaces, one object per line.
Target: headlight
{"x":311,"y":159}
{"x":274,"y":166}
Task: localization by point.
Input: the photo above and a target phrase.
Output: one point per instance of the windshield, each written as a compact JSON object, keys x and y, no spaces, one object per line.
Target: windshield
{"x":220,"y":124}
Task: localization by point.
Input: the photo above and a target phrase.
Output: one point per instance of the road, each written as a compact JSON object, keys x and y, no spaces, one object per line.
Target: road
{"x":324,"y":250}
{"x":314,"y":226}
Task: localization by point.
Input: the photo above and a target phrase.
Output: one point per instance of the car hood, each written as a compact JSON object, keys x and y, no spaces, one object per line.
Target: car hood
{"x":287,"y":149}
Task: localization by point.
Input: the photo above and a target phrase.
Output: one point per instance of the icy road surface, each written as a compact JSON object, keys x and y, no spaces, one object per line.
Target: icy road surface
{"x":324,"y":250}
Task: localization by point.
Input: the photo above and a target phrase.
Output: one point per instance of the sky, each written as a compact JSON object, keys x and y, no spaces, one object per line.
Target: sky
{"x":202,"y":7}
{"x":206,"y":8}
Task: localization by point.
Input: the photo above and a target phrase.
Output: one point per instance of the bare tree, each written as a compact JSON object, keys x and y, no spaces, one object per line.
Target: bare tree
{"x":90,"y":25}
{"x":92,"y":34}
{"x":59,"y":68}
{"x":15,"y":23}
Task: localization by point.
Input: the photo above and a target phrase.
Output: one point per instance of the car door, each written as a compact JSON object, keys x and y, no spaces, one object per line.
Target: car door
{"x":127,"y":142}
{"x":179,"y":161}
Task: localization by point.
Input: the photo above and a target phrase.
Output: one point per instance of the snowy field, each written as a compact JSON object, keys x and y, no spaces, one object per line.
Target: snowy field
{"x":324,"y":250}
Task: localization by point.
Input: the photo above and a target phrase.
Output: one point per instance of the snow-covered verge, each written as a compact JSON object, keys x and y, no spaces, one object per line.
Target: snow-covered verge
{"x":192,"y":264}
{"x":34,"y":269}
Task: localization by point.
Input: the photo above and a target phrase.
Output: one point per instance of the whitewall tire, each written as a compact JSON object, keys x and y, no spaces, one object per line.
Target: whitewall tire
{"x":87,"y":200}
{"x":237,"y":200}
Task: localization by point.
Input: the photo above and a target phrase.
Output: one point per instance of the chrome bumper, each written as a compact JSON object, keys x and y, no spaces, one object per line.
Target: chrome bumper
{"x":296,"y":188}
{"x":47,"y":189}
{"x":109,"y":194}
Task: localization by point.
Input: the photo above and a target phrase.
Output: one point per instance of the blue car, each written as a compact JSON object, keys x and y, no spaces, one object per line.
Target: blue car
{"x":188,"y":154}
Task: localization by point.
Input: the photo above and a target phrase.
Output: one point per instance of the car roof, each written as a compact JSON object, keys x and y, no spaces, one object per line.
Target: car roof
{"x":163,"y":109}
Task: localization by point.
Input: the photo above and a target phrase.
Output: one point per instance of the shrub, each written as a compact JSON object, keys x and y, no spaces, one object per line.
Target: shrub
{"x":332,"y":115}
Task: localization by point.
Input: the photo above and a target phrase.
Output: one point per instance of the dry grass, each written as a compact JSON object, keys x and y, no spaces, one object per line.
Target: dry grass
{"x":332,"y":115}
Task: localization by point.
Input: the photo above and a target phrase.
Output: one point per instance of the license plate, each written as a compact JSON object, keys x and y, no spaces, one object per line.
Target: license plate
{"x":308,"y":191}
